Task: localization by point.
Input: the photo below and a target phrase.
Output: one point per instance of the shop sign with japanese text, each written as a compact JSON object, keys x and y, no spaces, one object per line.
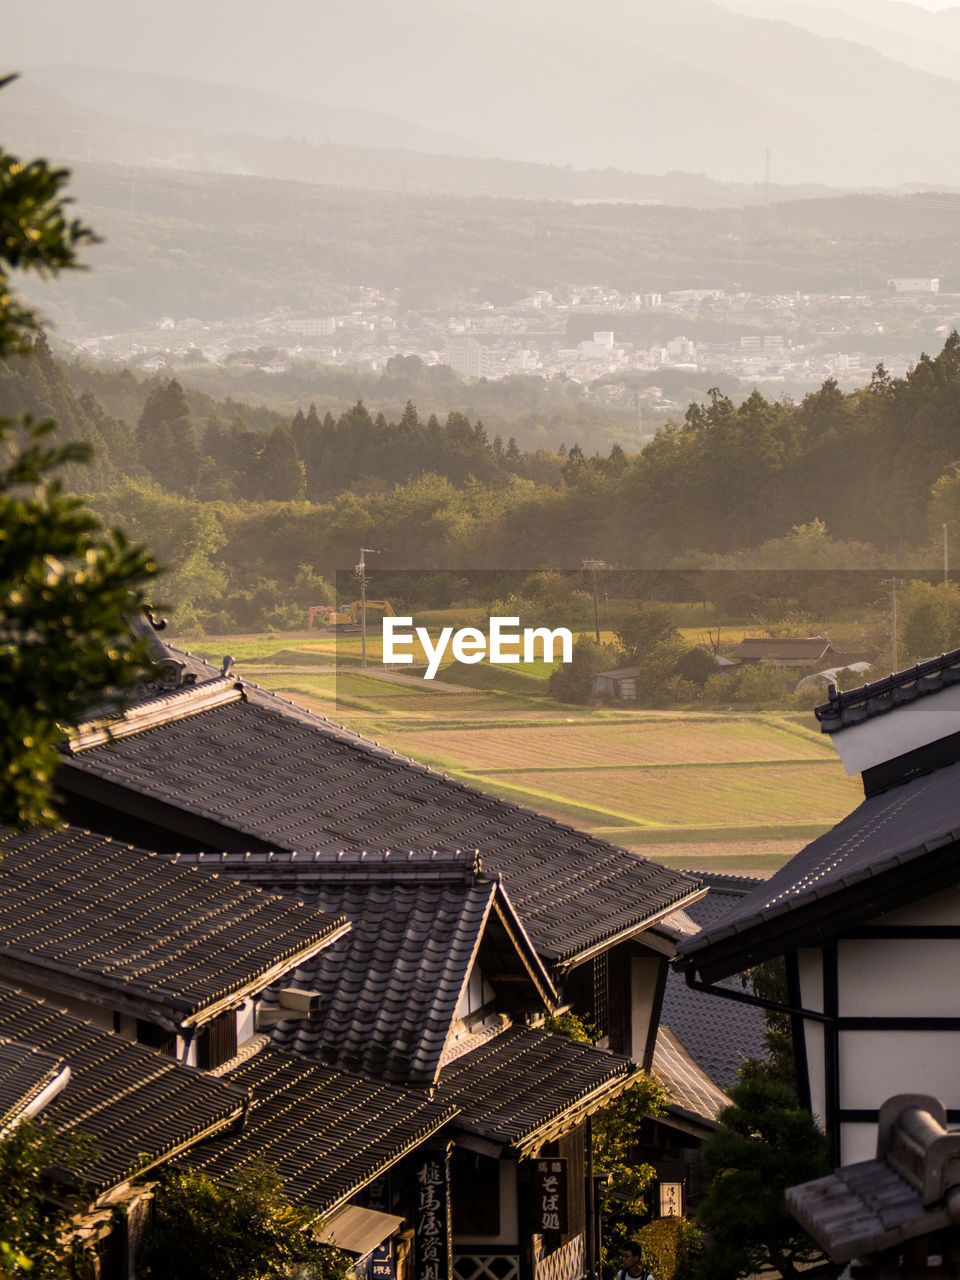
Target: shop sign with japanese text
{"x":550,"y":1196}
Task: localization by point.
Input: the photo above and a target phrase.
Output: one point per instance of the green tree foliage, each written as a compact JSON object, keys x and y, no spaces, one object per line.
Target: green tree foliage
{"x":32,"y":1226}
{"x":931,"y":620}
{"x":765,"y":1143}
{"x":616,"y":1135}
{"x":202,"y":1230}
{"x":652,"y":643}
{"x":66,"y":584}
{"x":167,"y":440}
{"x":670,"y":1248}
{"x":183,"y":534}
{"x":573,"y":681}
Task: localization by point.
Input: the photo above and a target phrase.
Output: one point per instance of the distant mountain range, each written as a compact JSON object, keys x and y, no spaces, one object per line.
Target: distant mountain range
{"x":646,"y":86}
{"x":908,"y":33}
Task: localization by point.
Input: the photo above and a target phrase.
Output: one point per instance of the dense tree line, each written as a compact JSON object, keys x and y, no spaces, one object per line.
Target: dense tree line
{"x":261,"y":501}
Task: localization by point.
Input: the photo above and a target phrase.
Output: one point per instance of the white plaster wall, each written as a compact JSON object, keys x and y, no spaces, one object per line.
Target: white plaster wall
{"x":898,"y":977}
{"x":886,"y":737}
{"x":857,"y":1142}
{"x":477,"y":993}
{"x":246,"y":1026}
{"x":810,"y":967}
{"x":874,"y":1065}
{"x":509,"y":1227}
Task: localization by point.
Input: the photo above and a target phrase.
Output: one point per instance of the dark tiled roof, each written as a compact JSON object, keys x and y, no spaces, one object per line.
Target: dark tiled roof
{"x":25,"y":1071}
{"x":893,"y":691}
{"x":391,"y":987}
{"x":325,"y":1132}
{"x":135,"y":1105}
{"x":887,"y":831}
{"x":522,"y":1084}
{"x":693,"y":1094}
{"x":278,"y":777}
{"x":124,"y":921}
{"x":718,"y":1034}
{"x":809,"y":648}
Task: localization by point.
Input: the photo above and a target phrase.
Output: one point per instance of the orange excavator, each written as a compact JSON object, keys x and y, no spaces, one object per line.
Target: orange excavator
{"x":348,"y":618}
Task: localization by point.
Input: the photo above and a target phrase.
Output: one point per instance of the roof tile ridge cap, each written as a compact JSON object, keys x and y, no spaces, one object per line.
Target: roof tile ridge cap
{"x":166,"y":708}
{"x":888,"y":685}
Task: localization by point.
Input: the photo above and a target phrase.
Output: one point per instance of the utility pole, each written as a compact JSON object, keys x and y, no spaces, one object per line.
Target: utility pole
{"x":893,"y":583}
{"x":946,"y":561}
{"x":361,"y":571}
{"x":594,"y":566}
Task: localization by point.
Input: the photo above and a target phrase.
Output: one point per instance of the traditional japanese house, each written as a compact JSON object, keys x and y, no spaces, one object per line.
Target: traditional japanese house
{"x":216,"y":765}
{"x":157,"y":953}
{"x":438,"y":987}
{"x":136,"y":1107}
{"x":867,"y":917}
{"x":452,"y":960}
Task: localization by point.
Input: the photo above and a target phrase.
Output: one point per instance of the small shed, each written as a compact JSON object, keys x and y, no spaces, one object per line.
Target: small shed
{"x":620,"y":684}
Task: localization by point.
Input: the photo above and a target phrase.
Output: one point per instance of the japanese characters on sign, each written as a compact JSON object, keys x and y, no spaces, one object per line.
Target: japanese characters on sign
{"x":432,"y":1219}
{"x":380,"y":1263}
{"x":550,"y":1196}
{"x":671,"y":1199}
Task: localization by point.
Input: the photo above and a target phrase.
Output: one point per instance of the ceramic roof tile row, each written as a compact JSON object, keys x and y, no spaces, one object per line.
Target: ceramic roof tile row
{"x":326,"y":1133}
{"x":330,"y":790}
{"x":390,"y":988}
{"x":25,"y":1071}
{"x":885,"y":831}
{"x":690,"y":1088}
{"x":132,"y":1103}
{"x":718,"y":1034}
{"x":520,"y":1080}
{"x":124,"y":919}
{"x":865,"y":1208}
{"x":882,"y":696}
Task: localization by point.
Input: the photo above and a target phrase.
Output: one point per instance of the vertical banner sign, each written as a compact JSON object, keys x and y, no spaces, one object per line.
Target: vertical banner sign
{"x":671,"y":1199}
{"x":550,"y":1196}
{"x":432,"y":1225}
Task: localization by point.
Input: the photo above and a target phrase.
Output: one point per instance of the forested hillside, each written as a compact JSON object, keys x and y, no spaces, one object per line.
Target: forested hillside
{"x":254,"y":511}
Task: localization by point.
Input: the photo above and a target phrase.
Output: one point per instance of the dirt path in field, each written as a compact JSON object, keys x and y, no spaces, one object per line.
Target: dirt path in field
{"x":392,"y":677}
{"x":749,"y":858}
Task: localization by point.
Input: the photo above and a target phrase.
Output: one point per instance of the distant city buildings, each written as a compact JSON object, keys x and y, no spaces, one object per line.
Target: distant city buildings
{"x":615,"y":344}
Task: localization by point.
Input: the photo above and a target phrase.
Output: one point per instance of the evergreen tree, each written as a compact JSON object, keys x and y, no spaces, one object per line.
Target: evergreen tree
{"x":282,"y":477}
{"x":166,"y":438}
{"x":765,"y":1143}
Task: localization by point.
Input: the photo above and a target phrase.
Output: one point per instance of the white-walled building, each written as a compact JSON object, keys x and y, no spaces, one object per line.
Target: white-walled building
{"x":867,"y":917}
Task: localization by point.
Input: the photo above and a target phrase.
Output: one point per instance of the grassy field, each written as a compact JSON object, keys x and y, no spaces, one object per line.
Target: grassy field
{"x":733,"y":791}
